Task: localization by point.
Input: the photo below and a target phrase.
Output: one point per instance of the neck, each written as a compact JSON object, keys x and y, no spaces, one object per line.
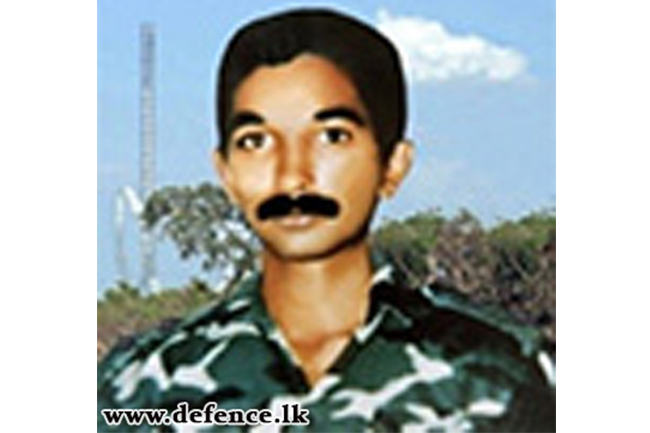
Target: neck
{"x":321,"y":298}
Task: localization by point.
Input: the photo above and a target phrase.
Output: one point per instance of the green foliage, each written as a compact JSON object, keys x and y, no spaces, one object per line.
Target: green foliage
{"x":518,"y":243}
{"x":530,"y":232}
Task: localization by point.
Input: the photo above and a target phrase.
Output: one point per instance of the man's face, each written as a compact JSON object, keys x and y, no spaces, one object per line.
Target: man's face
{"x":300,"y":128}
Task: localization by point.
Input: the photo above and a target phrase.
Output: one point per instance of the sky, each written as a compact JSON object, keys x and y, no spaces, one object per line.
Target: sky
{"x":481,"y":79}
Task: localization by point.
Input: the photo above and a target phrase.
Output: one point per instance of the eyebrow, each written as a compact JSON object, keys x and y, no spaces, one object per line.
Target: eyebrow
{"x":341,"y":113}
{"x":247,"y":117}
{"x":243,"y":118}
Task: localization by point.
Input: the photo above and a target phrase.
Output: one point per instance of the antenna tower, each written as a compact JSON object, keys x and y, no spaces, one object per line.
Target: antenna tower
{"x":147,"y":147}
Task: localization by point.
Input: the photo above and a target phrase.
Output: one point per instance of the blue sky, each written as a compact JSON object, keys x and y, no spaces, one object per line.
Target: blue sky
{"x":482,"y":103}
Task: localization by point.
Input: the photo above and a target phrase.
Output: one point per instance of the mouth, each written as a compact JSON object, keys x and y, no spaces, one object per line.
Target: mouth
{"x":297,"y":220}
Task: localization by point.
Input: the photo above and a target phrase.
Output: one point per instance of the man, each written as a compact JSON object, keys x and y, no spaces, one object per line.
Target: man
{"x":311,"y":116}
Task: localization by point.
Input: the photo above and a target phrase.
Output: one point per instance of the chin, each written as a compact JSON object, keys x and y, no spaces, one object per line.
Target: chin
{"x":307,"y":248}
{"x":299,"y":253}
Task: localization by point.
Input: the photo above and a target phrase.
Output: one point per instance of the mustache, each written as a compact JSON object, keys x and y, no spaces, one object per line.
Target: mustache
{"x":310,"y":204}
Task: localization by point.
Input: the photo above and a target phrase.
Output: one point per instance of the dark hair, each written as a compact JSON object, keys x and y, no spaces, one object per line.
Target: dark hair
{"x":368,"y":58}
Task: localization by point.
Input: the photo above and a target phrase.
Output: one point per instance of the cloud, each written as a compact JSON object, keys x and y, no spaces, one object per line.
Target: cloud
{"x":431,"y":53}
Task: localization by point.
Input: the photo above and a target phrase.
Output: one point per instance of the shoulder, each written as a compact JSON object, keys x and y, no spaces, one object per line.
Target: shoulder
{"x":492,"y":355}
{"x":486,"y":320}
{"x":477,"y":336}
{"x":140,"y":368}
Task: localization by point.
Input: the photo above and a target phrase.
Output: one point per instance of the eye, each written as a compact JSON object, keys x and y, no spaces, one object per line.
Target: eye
{"x":252,"y":141}
{"x":334,"y":135}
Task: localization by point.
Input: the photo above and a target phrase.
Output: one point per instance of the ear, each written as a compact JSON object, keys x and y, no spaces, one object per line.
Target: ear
{"x":225,"y":174}
{"x":397,"y":168}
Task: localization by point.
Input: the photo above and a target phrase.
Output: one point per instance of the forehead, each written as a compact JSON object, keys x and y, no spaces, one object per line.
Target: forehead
{"x":296,"y":89}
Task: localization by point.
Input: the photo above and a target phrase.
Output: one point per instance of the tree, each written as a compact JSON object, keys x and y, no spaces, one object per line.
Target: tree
{"x":202,"y":223}
{"x":406,"y":244}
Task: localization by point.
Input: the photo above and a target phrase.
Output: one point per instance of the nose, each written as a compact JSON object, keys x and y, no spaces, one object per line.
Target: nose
{"x":294,"y":168}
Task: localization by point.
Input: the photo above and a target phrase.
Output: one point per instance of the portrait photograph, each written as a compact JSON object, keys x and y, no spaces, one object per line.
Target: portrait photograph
{"x":326,"y":216}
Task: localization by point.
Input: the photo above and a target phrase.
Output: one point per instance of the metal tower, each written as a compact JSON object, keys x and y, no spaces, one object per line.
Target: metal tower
{"x":147,"y":147}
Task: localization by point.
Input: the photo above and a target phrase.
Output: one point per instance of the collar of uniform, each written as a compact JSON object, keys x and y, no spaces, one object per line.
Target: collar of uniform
{"x":383,"y":311}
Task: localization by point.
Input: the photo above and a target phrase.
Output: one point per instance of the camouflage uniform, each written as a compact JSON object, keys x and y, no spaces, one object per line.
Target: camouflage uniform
{"x":425,"y":360}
